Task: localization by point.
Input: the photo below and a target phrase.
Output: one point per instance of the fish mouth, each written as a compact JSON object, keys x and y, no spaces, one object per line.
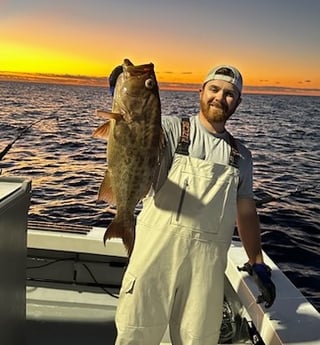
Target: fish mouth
{"x":133,"y":70}
{"x":140,"y":70}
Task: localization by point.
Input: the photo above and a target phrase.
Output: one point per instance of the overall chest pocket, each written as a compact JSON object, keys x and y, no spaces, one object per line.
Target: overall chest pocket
{"x":202,"y":201}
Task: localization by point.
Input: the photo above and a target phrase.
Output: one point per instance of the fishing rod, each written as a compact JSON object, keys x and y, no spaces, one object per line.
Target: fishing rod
{"x":297,"y":191}
{"x":24,"y":130}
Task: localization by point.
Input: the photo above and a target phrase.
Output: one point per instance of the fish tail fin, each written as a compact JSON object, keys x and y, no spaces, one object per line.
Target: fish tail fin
{"x":128,"y":241}
{"x":123,"y":230}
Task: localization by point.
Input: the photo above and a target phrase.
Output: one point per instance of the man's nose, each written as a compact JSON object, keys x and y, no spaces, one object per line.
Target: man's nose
{"x":219,"y":95}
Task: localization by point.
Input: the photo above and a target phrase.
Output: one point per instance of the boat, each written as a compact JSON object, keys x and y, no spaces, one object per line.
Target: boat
{"x":66,"y":285}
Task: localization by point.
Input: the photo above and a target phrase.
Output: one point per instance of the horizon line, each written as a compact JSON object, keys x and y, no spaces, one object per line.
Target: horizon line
{"x":84,"y":80}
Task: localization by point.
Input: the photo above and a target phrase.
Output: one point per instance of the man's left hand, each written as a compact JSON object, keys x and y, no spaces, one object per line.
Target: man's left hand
{"x":261,"y":274}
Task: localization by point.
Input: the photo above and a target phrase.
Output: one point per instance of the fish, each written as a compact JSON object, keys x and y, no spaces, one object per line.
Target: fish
{"x":134,"y":135}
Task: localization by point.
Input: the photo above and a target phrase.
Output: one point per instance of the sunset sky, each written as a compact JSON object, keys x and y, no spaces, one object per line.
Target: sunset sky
{"x":275,"y":43}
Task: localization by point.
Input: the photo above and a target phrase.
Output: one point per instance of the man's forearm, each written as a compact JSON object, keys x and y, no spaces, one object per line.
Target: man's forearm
{"x":249,"y":229}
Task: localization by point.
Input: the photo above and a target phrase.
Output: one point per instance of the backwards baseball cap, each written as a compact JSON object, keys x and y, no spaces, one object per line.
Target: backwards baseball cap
{"x":226,"y":73}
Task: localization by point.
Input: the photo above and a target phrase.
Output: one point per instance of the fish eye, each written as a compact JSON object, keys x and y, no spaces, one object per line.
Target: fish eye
{"x":149,"y":83}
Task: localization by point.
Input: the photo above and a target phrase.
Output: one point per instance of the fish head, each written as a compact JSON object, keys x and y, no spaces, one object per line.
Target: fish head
{"x":136,"y":90}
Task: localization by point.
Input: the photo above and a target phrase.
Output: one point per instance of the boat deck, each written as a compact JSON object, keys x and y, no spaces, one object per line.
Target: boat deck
{"x":63,"y":302}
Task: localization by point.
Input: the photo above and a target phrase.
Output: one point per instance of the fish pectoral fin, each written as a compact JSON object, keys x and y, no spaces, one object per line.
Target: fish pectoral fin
{"x":103,"y":131}
{"x":105,"y":190}
{"x":109,"y":115}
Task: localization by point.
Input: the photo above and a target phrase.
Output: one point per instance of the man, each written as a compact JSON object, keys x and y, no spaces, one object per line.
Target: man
{"x":204,"y":185}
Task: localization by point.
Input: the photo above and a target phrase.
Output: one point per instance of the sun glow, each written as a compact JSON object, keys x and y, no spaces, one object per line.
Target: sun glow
{"x":50,"y":64}
{"x":29,"y":59}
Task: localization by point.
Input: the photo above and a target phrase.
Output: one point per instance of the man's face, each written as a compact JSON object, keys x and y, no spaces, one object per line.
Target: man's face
{"x":218,"y":100}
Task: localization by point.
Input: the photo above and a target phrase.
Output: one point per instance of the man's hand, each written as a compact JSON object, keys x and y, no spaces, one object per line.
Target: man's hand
{"x":261,"y":274}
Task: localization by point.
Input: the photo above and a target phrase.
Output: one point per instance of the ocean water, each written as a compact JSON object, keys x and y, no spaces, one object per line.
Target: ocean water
{"x":67,"y":165}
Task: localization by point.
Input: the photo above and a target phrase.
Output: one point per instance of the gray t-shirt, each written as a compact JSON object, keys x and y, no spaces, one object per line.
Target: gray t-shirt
{"x":207,"y":146}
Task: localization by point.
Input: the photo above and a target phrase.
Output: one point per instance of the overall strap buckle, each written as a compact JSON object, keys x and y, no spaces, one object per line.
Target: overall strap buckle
{"x":234,"y":153}
{"x":184,"y":141}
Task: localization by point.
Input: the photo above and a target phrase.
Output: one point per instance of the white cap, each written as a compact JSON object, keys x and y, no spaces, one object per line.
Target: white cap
{"x":227,"y":73}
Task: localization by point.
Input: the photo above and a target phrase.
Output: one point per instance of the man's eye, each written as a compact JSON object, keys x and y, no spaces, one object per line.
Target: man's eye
{"x":214,"y":89}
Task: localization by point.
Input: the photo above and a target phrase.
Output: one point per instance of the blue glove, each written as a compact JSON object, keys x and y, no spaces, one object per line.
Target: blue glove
{"x":261,"y":274}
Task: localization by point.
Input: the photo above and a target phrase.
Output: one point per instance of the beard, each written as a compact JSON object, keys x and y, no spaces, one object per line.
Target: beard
{"x":216,"y":113}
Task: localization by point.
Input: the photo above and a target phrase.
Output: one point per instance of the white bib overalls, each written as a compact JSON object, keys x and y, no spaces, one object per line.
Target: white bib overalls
{"x":176,"y":272}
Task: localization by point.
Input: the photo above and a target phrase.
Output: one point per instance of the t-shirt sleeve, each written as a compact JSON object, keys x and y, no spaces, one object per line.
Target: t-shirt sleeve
{"x":171,"y":126}
{"x":245,"y":188}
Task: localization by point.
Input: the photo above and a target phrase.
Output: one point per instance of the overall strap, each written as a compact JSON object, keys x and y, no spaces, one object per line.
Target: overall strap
{"x":184,"y":141}
{"x":234,"y":153}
